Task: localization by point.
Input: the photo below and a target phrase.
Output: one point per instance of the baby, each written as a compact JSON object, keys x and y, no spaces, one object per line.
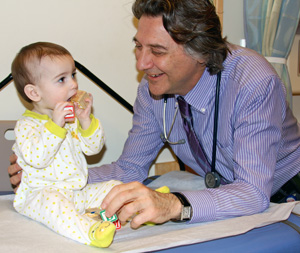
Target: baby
{"x":50,"y":147}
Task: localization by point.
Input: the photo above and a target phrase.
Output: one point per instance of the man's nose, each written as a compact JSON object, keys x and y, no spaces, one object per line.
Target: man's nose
{"x":144,"y":60}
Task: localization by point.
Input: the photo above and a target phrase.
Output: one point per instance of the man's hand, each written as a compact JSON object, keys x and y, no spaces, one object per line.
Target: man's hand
{"x":140,"y":202}
{"x":15,"y":172}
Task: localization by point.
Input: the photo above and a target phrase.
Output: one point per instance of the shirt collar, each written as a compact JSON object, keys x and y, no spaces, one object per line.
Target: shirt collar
{"x":200,"y":96}
{"x":35,"y":115}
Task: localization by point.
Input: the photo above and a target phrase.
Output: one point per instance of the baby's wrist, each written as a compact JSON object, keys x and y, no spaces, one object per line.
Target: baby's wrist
{"x":85,"y":123}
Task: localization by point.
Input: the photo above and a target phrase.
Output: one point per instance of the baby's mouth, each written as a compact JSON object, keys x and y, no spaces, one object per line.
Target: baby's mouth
{"x":69,"y":99}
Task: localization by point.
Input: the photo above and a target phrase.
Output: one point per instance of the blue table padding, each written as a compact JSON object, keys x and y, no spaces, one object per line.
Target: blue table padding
{"x":295,"y":219}
{"x":6,"y":192}
{"x":277,"y":237}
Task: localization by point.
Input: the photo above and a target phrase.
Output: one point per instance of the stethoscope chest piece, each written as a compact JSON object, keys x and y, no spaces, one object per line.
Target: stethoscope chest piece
{"x":212,"y":180}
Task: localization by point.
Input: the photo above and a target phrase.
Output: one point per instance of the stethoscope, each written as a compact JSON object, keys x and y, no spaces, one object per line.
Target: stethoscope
{"x":212,"y":178}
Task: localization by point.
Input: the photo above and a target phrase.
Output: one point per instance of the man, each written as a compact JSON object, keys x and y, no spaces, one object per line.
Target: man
{"x":180,"y":49}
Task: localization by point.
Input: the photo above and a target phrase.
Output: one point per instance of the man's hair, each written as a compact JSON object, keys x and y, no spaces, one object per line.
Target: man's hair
{"x":192,"y":23}
{"x":23,"y":67}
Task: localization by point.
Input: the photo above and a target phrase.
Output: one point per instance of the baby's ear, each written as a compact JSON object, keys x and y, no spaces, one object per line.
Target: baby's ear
{"x":32,"y":92}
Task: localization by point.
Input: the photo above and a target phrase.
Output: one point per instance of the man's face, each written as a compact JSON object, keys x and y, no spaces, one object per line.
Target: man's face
{"x":170,"y":70}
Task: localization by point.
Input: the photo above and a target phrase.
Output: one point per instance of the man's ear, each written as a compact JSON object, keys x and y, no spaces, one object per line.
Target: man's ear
{"x":202,"y":62}
{"x":32,"y":92}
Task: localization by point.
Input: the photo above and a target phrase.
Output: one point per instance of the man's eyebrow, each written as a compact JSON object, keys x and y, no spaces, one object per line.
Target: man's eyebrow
{"x":158,"y":46}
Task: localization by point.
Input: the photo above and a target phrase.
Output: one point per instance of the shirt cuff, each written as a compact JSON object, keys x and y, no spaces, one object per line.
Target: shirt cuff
{"x":55,"y":129}
{"x":203,"y":206}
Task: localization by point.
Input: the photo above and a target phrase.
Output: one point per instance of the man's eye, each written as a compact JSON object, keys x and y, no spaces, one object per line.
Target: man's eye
{"x":157,"y":53}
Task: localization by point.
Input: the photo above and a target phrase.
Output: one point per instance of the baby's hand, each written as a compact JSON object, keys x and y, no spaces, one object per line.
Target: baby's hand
{"x":59,"y":113}
{"x":83,"y":115}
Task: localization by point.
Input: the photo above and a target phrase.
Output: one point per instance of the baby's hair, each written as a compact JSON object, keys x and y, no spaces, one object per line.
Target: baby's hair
{"x":23,"y":67}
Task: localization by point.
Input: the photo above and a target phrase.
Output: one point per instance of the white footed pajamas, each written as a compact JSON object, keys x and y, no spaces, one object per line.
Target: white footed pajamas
{"x":62,"y":210}
{"x":54,"y":189}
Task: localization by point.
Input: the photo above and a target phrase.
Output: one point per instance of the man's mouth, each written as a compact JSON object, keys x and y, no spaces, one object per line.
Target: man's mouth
{"x":155,"y":75}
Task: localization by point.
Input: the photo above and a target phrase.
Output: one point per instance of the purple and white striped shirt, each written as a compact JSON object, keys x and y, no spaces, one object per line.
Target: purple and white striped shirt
{"x":258,"y":145}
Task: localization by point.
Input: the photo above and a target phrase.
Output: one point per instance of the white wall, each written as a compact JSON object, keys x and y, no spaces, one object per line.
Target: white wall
{"x":233,"y":25}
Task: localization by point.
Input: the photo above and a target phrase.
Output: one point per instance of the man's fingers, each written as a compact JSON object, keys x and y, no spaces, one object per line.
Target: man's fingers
{"x":13,"y":159}
{"x":139,"y":220}
{"x":161,"y":207}
{"x":128,"y":211}
{"x":16,"y":188}
{"x":115,"y":199}
{"x":120,"y":196}
{"x":109,"y":197}
{"x":13,"y":169}
{"x":16,"y":179}
{"x":136,"y":201}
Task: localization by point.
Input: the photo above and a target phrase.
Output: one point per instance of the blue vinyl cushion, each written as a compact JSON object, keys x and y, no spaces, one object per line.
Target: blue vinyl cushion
{"x":277,"y":237}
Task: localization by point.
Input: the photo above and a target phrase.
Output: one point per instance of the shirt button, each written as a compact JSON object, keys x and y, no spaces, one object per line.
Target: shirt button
{"x":202,"y":110}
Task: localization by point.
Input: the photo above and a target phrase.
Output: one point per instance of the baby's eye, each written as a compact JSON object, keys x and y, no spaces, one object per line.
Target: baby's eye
{"x":61,"y":80}
{"x":74,"y":75}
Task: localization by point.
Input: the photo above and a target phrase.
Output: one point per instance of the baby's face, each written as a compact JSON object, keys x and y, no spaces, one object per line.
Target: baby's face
{"x":57,"y":81}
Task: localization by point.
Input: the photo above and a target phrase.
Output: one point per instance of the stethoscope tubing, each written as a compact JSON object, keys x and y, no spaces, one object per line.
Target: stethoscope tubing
{"x":165,"y":137}
{"x":216,"y":120}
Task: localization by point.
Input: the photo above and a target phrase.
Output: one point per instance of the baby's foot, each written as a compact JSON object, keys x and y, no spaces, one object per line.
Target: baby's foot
{"x":102,"y":233}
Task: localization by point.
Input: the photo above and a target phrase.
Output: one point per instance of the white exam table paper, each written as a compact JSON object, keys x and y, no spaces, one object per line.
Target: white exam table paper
{"x":20,"y":234}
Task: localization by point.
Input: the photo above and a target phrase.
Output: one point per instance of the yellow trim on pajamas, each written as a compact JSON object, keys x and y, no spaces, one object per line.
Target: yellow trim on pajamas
{"x":55,"y":129}
{"x":93,"y":126}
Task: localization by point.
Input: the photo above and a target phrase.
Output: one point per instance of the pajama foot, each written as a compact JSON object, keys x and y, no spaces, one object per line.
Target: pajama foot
{"x":101,"y":234}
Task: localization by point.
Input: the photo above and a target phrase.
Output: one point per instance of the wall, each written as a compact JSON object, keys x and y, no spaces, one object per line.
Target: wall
{"x":233,"y":25}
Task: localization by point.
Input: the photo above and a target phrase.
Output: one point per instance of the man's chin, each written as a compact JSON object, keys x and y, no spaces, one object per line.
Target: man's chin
{"x":155,"y":90}
{"x":156,"y":97}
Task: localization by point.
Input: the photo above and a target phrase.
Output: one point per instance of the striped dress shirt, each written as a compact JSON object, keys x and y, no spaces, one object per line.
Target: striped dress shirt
{"x":258,"y":144}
